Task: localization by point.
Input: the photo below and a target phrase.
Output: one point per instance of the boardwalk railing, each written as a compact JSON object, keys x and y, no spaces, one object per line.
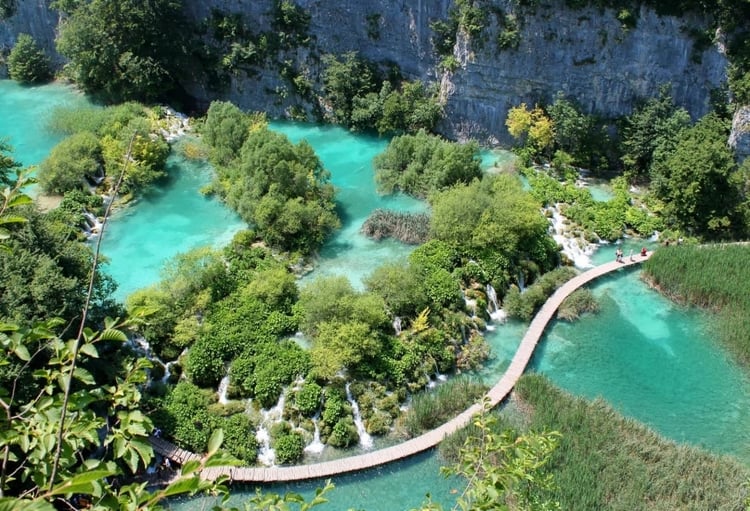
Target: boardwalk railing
{"x":423,"y":442}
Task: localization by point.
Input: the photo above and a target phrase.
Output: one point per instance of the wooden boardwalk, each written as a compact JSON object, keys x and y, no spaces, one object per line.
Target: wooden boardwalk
{"x":423,"y":442}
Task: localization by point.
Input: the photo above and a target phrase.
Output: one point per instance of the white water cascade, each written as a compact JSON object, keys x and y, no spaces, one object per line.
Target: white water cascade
{"x":266,"y":454}
{"x":397,"y":325}
{"x":576,"y":249}
{"x":493,"y":307}
{"x":222,"y":391}
{"x":365,"y":440}
{"x":316,"y":446}
{"x":93,"y":225}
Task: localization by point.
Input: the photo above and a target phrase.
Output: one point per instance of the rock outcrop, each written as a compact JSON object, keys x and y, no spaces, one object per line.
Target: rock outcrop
{"x":739,"y":138}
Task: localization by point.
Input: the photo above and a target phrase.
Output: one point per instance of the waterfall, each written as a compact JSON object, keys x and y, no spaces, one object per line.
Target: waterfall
{"x":521,"y":280}
{"x":493,"y":307}
{"x":93,"y":225}
{"x":471,"y":305}
{"x":167,"y":373}
{"x":397,"y":325}
{"x":316,"y":446}
{"x":571,"y":246}
{"x":223,"y":386}
{"x":266,"y":454}
{"x":365,"y":440}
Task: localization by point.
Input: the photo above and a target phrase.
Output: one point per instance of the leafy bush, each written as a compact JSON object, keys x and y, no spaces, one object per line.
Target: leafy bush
{"x":421,"y":164}
{"x":289,"y":448}
{"x":579,"y":302}
{"x":239,"y":438}
{"x":308,"y":398}
{"x":431,"y":409}
{"x":27,"y":62}
{"x":344,"y":433}
{"x":70,"y":162}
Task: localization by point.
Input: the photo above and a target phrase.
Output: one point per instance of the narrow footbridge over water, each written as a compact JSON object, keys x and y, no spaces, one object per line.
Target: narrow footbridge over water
{"x":423,"y":442}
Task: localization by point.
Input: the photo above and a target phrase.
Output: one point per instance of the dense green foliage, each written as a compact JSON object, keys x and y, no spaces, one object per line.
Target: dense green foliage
{"x":361,"y":98}
{"x":422,"y":164}
{"x":27,"y":62}
{"x":605,"y":461}
{"x":496,"y":228}
{"x":71,"y":162}
{"x":94,"y":152}
{"x":714,"y":277}
{"x":123,"y":49}
{"x":280,"y":188}
{"x":698,"y":182}
{"x":578,"y":303}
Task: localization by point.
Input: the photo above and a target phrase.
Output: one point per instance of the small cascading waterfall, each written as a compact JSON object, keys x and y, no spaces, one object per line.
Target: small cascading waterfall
{"x":266,"y":454}
{"x":93,"y":225}
{"x":521,"y":280}
{"x":316,"y":446}
{"x":167,"y":373}
{"x":471,"y":305}
{"x":493,"y":307}
{"x":397,"y":325}
{"x":365,"y":440}
{"x":571,"y":247}
{"x":222,"y":391}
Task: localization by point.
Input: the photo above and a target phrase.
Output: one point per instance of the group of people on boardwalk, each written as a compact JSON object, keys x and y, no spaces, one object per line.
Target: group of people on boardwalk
{"x":619,"y":256}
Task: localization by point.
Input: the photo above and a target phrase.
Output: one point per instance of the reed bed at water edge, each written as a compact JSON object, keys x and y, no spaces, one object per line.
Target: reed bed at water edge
{"x":433,"y":408}
{"x":713,"y":277}
{"x":608,"y":462}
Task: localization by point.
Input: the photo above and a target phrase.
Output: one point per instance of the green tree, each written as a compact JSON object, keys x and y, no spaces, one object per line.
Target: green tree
{"x":225,"y":130}
{"x":698,"y":182}
{"x":650,"y":130}
{"x":533,"y":128}
{"x":71,"y":161}
{"x":7,"y":165}
{"x":124,"y":49}
{"x":282,"y":190}
{"x":345,"y":78}
{"x":422,"y":163}
{"x":27,"y":62}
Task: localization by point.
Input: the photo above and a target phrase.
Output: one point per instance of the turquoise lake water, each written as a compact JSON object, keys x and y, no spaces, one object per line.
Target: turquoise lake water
{"x":651,"y":359}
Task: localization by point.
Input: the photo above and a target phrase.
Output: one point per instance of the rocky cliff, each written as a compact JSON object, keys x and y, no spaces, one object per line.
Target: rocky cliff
{"x":587,"y":54}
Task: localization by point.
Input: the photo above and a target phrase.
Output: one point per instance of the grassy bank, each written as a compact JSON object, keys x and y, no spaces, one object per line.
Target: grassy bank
{"x":714,"y":277}
{"x":608,"y":462}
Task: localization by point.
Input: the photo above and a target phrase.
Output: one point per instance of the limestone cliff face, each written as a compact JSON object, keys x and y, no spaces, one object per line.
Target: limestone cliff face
{"x":586,"y":54}
{"x":32,"y":17}
{"x":739,"y":139}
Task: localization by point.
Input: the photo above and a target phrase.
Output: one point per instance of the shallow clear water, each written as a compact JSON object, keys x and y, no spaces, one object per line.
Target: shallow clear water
{"x":24,"y":113}
{"x":654,"y":361}
{"x":393,"y":487}
{"x":170,"y":219}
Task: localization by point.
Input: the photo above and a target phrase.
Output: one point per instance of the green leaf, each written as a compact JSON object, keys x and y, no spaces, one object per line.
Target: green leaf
{"x":185,"y":485}
{"x":112,"y":334}
{"x":14,"y":504}
{"x":217,"y":437}
{"x":10,"y":219}
{"x":190,"y":467}
{"x":90,"y":350}
{"x":85,"y":482}
{"x":19,"y":200}
{"x":84,"y":376}
{"x":22,"y":352}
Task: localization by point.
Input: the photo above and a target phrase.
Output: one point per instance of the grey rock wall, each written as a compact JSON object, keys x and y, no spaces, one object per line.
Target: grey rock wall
{"x":586,"y":54}
{"x":739,"y":139}
{"x":33,"y":17}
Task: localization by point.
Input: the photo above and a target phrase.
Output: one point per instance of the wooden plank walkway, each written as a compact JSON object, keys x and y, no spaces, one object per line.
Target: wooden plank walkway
{"x":423,"y":442}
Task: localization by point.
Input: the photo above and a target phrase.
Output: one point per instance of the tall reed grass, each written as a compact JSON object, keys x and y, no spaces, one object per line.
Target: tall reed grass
{"x":433,"y":408}
{"x":411,"y":228}
{"x":608,"y":462}
{"x":713,"y":277}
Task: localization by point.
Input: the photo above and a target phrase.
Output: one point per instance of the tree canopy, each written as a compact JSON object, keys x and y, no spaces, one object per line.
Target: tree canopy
{"x":123,"y":49}
{"x":421,"y":164}
{"x":27,"y":62}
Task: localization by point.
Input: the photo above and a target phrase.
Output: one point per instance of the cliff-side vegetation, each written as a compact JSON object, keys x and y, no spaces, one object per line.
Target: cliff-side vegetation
{"x":363,"y":97}
{"x":27,"y":62}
